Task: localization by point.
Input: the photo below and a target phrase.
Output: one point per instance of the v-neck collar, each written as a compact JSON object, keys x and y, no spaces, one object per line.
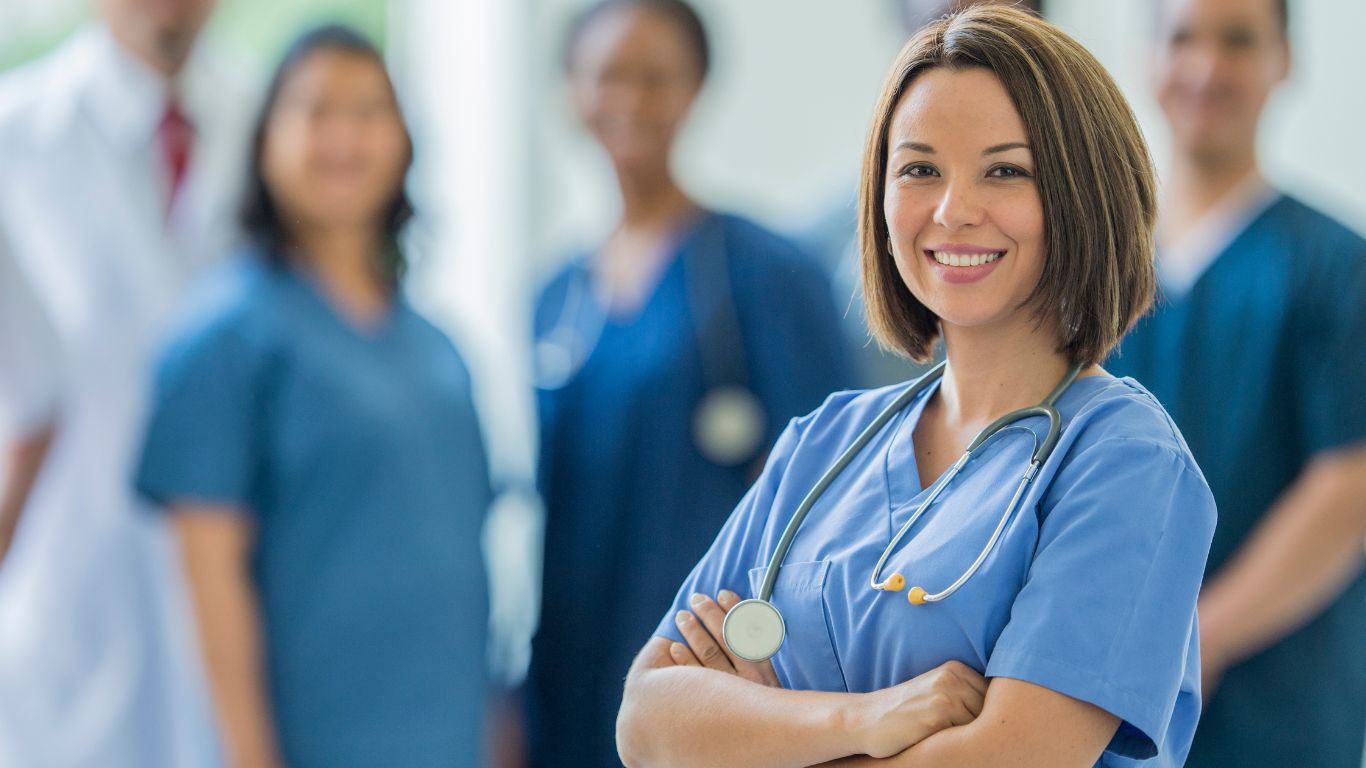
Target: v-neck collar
{"x":374,"y":332}
{"x":1233,"y":225}
{"x":684,"y":240}
{"x":900,"y":468}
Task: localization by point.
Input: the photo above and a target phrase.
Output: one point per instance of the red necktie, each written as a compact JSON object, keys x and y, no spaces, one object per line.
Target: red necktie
{"x":175,"y":138}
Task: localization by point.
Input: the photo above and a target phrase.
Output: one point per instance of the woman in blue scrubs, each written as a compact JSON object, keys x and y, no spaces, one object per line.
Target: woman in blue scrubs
{"x":315,"y":444}
{"x":669,"y":359}
{"x":1007,"y":208}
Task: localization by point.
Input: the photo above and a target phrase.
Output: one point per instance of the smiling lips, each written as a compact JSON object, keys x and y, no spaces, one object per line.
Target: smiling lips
{"x":964,"y":264}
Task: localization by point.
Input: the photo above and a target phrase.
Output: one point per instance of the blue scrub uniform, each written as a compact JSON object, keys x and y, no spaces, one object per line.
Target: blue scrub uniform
{"x":1090,"y":591}
{"x":1263,"y":364}
{"x":358,"y":456}
{"x":630,"y":502}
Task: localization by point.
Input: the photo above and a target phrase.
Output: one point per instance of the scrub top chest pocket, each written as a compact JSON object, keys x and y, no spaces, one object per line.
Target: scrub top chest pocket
{"x":807,"y":659}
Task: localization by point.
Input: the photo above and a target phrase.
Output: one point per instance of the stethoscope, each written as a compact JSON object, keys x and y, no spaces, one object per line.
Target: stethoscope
{"x":754,"y":628}
{"x":728,"y":422}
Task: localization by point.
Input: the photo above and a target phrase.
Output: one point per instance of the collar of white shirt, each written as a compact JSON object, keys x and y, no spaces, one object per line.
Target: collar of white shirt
{"x":127,"y":97}
{"x":1181,"y":262}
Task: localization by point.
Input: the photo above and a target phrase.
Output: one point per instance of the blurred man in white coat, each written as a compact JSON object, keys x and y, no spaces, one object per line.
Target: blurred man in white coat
{"x":122,"y":153}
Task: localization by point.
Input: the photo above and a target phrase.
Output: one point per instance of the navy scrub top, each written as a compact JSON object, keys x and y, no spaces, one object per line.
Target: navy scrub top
{"x":1263,"y":364}
{"x":631,"y":504}
{"x":358,"y":455}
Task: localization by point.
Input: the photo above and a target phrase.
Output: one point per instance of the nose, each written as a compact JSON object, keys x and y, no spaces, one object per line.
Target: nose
{"x":958,"y":206}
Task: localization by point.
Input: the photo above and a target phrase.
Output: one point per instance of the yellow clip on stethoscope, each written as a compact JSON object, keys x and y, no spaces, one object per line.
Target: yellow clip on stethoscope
{"x":754,"y":628}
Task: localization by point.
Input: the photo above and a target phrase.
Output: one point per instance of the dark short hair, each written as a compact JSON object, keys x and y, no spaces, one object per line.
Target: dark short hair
{"x":1094,"y":174}
{"x":680,"y":13}
{"x":260,"y":216}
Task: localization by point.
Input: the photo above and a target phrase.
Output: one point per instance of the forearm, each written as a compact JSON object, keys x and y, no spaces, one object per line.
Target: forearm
{"x":1022,"y":725}
{"x":1294,"y":564}
{"x":700,"y":717}
{"x":229,"y":629}
{"x":24,"y":461}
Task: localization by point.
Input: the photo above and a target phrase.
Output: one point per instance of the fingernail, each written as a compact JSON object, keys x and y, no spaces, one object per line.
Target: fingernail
{"x":683,"y":617}
{"x":727,"y":596}
{"x":676,"y":649}
{"x":697,"y":598}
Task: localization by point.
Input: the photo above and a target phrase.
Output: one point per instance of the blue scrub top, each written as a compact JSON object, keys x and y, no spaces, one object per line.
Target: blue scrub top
{"x":630,"y":502}
{"x":358,"y":456}
{"x":1097,"y":602}
{"x":1263,"y":364}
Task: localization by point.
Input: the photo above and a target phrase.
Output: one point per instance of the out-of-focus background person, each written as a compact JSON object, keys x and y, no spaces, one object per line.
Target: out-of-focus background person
{"x":121,"y":154}
{"x":28,"y":387}
{"x":315,"y":443}
{"x":1258,"y":348}
{"x":668,"y":360}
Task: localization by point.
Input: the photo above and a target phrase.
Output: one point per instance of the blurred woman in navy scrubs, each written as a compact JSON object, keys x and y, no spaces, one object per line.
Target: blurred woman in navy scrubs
{"x":315,"y":443}
{"x":668,"y":360}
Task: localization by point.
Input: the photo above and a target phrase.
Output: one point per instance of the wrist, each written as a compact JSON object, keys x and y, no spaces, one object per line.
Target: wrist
{"x":848,"y":721}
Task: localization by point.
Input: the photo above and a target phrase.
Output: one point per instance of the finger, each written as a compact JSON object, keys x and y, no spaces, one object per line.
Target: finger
{"x":683,"y":656}
{"x":713,"y":617}
{"x":703,"y":646}
{"x":760,"y":672}
{"x":968,"y":675}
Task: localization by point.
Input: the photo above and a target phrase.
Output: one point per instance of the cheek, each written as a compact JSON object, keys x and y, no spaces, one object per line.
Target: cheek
{"x":285,"y":158}
{"x":906,"y":216}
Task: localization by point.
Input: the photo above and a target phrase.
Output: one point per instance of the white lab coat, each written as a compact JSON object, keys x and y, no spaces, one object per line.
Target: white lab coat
{"x":98,"y":664}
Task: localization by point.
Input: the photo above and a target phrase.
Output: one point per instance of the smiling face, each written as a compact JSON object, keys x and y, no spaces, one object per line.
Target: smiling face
{"x":1216,"y":65}
{"x":963,"y":211}
{"x":335,"y":150}
{"x":634,"y":77}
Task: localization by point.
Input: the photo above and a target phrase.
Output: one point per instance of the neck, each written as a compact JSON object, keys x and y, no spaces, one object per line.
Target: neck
{"x":342,"y":259}
{"x":650,"y":199}
{"x":1199,"y":183}
{"x":165,"y":56}
{"x":992,"y":371}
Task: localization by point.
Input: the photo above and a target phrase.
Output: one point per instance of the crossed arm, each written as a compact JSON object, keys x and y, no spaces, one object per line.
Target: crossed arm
{"x":696,"y":705}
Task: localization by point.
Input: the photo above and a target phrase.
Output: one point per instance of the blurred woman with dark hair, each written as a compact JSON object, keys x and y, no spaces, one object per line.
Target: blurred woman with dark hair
{"x":315,"y":443}
{"x":669,"y":359}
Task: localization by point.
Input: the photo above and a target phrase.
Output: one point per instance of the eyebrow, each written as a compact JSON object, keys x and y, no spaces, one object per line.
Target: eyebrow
{"x":916,"y":146}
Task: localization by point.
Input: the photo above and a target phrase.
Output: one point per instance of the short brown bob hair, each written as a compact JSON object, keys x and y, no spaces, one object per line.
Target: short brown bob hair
{"x":1093,"y":170}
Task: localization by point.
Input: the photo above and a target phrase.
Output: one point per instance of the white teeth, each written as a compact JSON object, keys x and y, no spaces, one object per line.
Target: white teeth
{"x":965,"y":259}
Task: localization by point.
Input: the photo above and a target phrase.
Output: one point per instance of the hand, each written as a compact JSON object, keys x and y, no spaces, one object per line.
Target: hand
{"x":894,"y":719}
{"x":701,"y":627}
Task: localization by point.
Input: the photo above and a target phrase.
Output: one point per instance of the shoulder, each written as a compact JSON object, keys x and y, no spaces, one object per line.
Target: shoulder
{"x":35,"y":95}
{"x":842,"y":417}
{"x":231,"y":309}
{"x":752,"y":243}
{"x":1118,"y":438}
{"x":1106,"y":407}
{"x":1318,"y":246}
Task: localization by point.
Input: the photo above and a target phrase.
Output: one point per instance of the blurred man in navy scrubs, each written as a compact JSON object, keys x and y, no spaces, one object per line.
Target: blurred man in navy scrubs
{"x":1258,"y":350}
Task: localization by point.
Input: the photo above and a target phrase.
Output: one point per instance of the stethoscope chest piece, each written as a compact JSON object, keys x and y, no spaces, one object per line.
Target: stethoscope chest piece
{"x":753,"y":630}
{"x":728,"y":425}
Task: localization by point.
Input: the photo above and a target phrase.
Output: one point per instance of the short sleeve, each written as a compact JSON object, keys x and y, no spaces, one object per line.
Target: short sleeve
{"x":1333,"y":367}
{"x":203,"y":440}
{"x":1107,"y":611}
{"x":30,"y":359}
{"x":736,"y":548}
